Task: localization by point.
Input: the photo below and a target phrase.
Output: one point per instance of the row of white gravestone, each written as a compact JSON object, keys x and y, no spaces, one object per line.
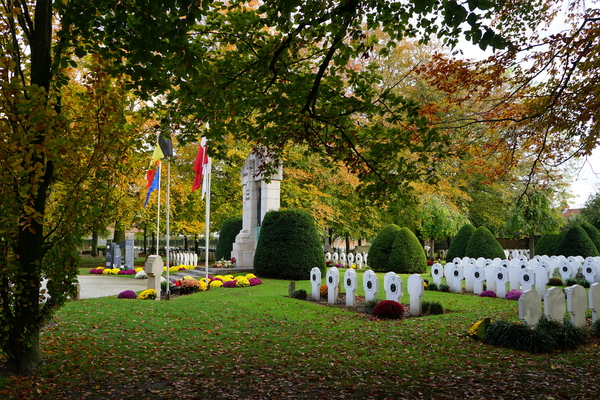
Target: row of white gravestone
{"x":511,"y":254}
{"x":519,"y":274}
{"x":554,"y":307}
{"x":392,"y":285}
{"x":183,"y":258}
{"x":360,"y":259}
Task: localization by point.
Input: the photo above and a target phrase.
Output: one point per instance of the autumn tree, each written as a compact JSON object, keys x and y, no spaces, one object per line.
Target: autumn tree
{"x":270,"y":74}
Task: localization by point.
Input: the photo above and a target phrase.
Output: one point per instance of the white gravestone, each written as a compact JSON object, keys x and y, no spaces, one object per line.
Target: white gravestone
{"x":315,"y":281}
{"x":500,"y":279}
{"x":489,"y":277}
{"x":514,"y":274}
{"x":541,"y":278}
{"x":350,"y":284}
{"x":371,"y":285}
{"x":530,"y":308}
{"x":350,"y":259}
{"x":577,"y":304}
{"x":415,"y":290}
{"x":552,"y":266}
{"x":392,"y":284}
{"x":437,"y":272}
{"x":527,"y":279}
{"x":533,"y":263}
{"x":447,"y":269}
{"x":365,"y":255}
{"x":576,"y":265}
{"x":260,"y":195}
{"x":456,"y":277}
{"x":154,"y":269}
{"x":327,"y":256}
{"x":333,"y":284}
{"x":497,"y":261}
{"x":343,"y":259}
{"x":554,"y":304}
{"x":359,"y":261}
{"x":467,"y":272}
{"x":335,"y":257}
{"x":195,"y":260}
{"x":590,"y":269}
{"x":594,"y":300}
{"x":478,"y":277}
{"x":481,"y":262}
{"x":565,"y":270}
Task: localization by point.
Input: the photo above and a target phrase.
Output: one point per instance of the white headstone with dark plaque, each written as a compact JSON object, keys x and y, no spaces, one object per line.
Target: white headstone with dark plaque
{"x":350,"y":284}
{"x":333,"y":284}
{"x":315,"y":282}
{"x":392,"y":284}
{"x":437,"y":272}
{"x":500,"y":279}
{"x":527,"y":279}
{"x":370,"y":285}
{"x":478,"y":277}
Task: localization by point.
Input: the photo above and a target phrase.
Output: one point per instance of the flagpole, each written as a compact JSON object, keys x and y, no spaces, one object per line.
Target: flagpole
{"x":158,"y":213}
{"x":168,"y":245}
{"x":207,"y":219}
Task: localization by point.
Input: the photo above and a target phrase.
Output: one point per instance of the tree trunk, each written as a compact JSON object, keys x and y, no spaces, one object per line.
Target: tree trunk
{"x":531,"y":245}
{"x":95,"y":243}
{"x":347,"y":243}
{"x":185,"y":242}
{"x":23,"y":324}
{"x":119,"y":235}
{"x":145,"y":238}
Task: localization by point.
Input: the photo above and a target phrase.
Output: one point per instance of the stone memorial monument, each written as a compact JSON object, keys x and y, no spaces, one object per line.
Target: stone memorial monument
{"x":260,"y":194}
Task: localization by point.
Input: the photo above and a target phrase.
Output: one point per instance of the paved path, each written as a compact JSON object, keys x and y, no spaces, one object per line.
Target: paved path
{"x":92,"y":286}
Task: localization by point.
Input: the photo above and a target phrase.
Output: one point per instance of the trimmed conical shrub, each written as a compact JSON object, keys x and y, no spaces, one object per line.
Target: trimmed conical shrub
{"x":458,"y":245}
{"x":576,"y":242}
{"x":288,"y":246}
{"x":545,"y":244}
{"x":483,"y":244}
{"x":380,"y":250}
{"x":558,"y":240}
{"x":592,"y":232}
{"x":407,"y":255}
{"x":229,"y":230}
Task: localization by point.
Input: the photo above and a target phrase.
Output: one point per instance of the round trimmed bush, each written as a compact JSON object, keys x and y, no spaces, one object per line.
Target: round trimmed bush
{"x":389,"y":309}
{"x":546,"y":244}
{"x":380,"y":250}
{"x":229,"y":230}
{"x":576,"y":242}
{"x":555,"y":282}
{"x":458,"y":245}
{"x":593,"y":233}
{"x":407,"y":255}
{"x":288,"y":246}
{"x":483,"y":244}
{"x":300,"y":294}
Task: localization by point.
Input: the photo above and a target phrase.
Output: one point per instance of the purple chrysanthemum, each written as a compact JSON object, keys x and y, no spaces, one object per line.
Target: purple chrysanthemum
{"x":513,"y":295}
{"x":488,"y":293}
{"x":215,"y":279}
{"x":254,"y":281}
{"x":127,"y":294}
{"x":229,"y":284}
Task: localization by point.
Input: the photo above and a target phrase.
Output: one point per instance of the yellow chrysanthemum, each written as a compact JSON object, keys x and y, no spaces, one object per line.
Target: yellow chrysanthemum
{"x":216,"y":284}
{"x":250,"y":276}
{"x":139,"y":269}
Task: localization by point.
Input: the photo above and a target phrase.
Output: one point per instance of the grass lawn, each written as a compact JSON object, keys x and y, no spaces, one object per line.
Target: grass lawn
{"x":257,"y":343}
